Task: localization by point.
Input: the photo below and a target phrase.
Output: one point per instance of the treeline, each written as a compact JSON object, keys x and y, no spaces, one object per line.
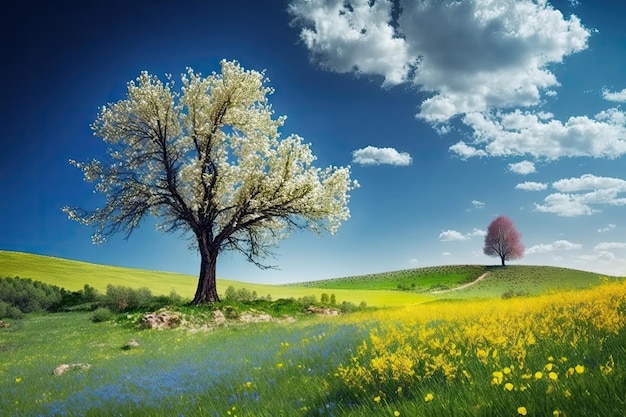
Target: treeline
{"x":19,"y":296}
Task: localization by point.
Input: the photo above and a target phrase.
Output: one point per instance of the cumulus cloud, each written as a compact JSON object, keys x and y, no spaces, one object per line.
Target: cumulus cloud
{"x":522,"y":168}
{"x":618,"y":96}
{"x":474,"y":59}
{"x":470,"y":55}
{"x":558,"y":245}
{"x":453,"y":235}
{"x":446,"y":253}
{"x":607,"y":246}
{"x":371,"y":155}
{"x":607,"y":228}
{"x":577,"y":196}
{"x":524,"y":133}
{"x":531,"y":186}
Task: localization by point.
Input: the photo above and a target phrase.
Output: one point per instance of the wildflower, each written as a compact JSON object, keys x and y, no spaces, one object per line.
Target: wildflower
{"x":521,"y":411}
{"x":579,"y":369}
{"x":550,"y":359}
{"x":497,"y":378}
{"x":279,"y":365}
{"x":563,"y":359}
{"x":553,"y":376}
{"x":570,"y":371}
{"x":429,"y":397}
{"x":538,"y":375}
{"x":557,"y":413}
{"x":248,"y":384}
{"x":18,"y":380}
{"x":506,"y":370}
{"x":548,"y":367}
{"x":508,"y":386}
{"x":377,"y":398}
{"x":526,"y":376}
{"x":567,"y":393}
{"x":396,"y":413}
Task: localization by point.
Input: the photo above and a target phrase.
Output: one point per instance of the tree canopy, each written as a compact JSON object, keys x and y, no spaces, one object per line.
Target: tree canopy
{"x":503,"y":240}
{"x":208,"y":161}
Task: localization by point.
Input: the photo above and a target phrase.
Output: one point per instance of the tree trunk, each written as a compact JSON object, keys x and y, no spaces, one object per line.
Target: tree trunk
{"x":502,"y":257}
{"x":207,"y":286}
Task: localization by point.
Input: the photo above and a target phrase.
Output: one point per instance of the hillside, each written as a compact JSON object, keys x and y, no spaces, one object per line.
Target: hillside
{"x":516,"y":279}
{"x":73,"y":275}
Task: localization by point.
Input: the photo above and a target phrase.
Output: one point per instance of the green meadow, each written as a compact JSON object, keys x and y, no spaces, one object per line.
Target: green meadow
{"x":555,"y":347}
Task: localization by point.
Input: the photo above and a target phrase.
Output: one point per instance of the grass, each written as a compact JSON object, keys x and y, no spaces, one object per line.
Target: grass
{"x":418,"y":279}
{"x":469,"y":358}
{"x":73,"y":275}
{"x":528,"y":280}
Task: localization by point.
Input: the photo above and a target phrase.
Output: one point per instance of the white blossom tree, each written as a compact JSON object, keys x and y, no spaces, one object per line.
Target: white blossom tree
{"x":208,"y":161}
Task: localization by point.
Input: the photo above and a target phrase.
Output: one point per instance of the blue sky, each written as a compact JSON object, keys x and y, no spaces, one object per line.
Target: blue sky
{"x":450,"y":114}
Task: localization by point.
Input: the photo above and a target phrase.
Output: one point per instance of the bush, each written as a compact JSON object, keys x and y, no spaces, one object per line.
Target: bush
{"x":122,"y":299}
{"x":27,"y":295}
{"x":101,"y":314}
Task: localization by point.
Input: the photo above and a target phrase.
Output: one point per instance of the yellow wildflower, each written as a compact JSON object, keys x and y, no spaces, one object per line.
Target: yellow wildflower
{"x":548,"y":367}
{"x":553,"y":376}
{"x":522,"y":411}
{"x":508,"y":386}
{"x":506,"y":370}
{"x":18,"y":380}
{"x":429,"y":397}
{"x":377,"y":398}
{"x":396,"y":413}
{"x":279,"y":365}
{"x":538,"y":375}
{"x":579,"y":369}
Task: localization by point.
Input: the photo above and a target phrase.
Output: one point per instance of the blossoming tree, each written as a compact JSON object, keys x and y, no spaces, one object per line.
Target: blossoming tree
{"x":208,"y":161}
{"x":503,"y":240}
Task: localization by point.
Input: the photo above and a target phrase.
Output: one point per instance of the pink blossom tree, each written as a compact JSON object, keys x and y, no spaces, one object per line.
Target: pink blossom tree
{"x":503,"y":240}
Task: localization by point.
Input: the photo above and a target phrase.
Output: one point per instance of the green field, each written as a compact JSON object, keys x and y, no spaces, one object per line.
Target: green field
{"x":73,"y":275}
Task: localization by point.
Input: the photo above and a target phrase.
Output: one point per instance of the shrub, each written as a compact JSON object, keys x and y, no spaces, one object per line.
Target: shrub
{"x":101,"y":314}
{"x":122,"y":299}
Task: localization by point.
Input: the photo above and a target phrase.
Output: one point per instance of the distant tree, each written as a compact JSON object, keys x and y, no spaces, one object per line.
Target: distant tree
{"x":503,"y":240}
{"x":208,"y":162}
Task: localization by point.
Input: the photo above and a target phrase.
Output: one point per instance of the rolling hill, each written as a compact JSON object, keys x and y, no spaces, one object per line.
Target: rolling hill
{"x":73,"y":275}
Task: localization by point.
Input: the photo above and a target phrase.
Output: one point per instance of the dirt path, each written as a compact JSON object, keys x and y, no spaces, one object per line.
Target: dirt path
{"x":460,"y":287}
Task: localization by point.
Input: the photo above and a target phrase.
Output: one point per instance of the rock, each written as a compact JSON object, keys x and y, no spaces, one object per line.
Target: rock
{"x":218,"y":317}
{"x":323,"y":311}
{"x":162,"y":320}
{"x":62,"y":369}
{"x":132,"y":343}
{"x":255,"y":318}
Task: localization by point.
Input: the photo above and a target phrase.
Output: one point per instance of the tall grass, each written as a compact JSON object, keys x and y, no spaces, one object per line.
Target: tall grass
{"x":562,"y":354}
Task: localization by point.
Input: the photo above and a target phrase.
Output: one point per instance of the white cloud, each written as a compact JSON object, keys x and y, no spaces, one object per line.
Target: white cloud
{"x":371,"y":155}
{"x":522,"y":168}
{"x":606,"y":246}
{"x":601,"y":191}
{"x":414,"y":261}
{"x":452,"y":235}
{"x":607,"y":229}
{"x":558,"y":245}
{"x":531,"y":186}
{"x":589,"y":182}
{"x":619,"y":96}
{"x":477,"y":232}
{"x":446,"y":254}
{"x":465,"y":151}
{"x":478,"y":204}
{"x":527,"y":134}
{"x":471,"y":55}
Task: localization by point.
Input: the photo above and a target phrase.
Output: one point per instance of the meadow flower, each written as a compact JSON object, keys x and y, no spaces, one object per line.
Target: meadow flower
{"x":508,"y":386}
{"x":579,"y":369}
{"x":429,"y":397}
{"x":396,"y":413}
{"x":377,"y":398}
{"x":553,"y":376}
{"x":522,"y":411}
{"x":538,"y":375}
{"x":548,"y":367}
{"x":506,"y":370}
{"x":279,"y":365}
{"x":18,"y":380}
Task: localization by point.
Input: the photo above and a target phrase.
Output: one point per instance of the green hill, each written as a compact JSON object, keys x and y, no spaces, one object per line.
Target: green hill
{"x":73,"y":275}
{"x":441,"y":281}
